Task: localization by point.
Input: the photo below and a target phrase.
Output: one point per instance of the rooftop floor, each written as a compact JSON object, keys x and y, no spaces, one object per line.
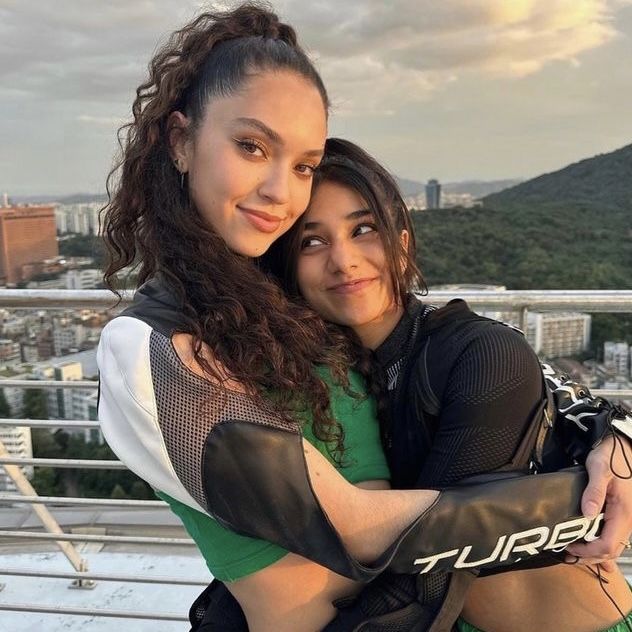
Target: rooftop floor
{"x":158,"y":598}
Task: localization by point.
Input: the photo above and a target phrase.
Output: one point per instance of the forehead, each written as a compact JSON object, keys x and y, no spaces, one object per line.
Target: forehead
{"x":333,"y":201}
{"x":284,"y":101}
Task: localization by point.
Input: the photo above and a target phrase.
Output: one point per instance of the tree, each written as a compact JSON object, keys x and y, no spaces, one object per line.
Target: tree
{"x":5,"y":409}
{"x":118,"y":492}
{"x":35,"y":404}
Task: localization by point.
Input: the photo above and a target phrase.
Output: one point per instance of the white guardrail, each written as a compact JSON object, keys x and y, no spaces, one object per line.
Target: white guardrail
{"x":614,"y":301}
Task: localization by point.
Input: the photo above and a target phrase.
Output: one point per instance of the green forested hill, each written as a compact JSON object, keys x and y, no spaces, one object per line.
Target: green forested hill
{"x":568,"y":229}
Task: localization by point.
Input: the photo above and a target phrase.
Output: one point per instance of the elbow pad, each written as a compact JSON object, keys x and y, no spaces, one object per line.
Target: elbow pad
{"x":497,"y":523}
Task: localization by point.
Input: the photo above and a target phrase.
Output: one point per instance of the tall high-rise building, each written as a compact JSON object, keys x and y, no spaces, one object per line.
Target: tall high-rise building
{"x":27,"y":237}
{"x":433,"y":194}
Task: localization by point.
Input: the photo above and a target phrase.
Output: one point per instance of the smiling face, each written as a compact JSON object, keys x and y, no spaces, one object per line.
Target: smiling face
{"x":250,"y":161}
{"x":342,"y":269}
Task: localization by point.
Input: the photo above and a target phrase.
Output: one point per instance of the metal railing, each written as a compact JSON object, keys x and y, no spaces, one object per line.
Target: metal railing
{"x":518,"y":301}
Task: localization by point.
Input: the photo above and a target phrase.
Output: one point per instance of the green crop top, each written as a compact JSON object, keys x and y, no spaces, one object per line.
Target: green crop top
{"x":230,"y":556}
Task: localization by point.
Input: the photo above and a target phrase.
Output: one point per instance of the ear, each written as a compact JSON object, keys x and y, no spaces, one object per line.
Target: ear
{"x":404,"y":238}
{"x":179,"y":142}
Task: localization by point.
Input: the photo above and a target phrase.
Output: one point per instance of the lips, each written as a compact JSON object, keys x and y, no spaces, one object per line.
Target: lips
{"x":262,"y":221}
{"x":350,"y":287}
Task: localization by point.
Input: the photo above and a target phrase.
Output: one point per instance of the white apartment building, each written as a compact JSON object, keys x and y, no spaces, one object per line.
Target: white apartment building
{"x":558,"y":334}
{"x":17,"y":441}
{"x":9,"y":352}
{"x":83,"y":279}
{"x":67,"y":336}
{"x":82,"y":219}
{"x":70,"y":403}
{"x":617,"y":357}
{"x":60,"y":400}
{"x":13,"y":394}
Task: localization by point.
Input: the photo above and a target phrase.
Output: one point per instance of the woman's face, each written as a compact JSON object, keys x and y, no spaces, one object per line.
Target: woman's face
{"x":341,"y":267}
{"x":250,"y":162}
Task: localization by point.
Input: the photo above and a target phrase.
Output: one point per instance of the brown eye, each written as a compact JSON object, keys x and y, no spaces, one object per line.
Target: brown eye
{"x":364,"y":229}
{"x":311,"y":242}
{"x":251,"y":146}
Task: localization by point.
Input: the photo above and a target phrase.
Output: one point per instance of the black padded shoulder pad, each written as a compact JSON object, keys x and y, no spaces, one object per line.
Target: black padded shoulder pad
{"x":256,"y":483}
{"x":497,"y":523}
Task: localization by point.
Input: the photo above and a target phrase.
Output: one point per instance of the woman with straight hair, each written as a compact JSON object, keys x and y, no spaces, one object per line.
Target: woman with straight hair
{"x":461,"y":396}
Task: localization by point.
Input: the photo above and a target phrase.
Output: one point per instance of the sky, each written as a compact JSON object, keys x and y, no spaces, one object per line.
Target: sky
{"x":450,"y":89}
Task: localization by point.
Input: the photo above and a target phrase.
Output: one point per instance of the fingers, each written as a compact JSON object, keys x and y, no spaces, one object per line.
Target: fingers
{"x":596,"y":551}
{"x":599,"y":479}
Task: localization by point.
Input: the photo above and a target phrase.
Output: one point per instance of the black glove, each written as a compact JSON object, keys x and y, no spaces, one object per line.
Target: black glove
{"x":390,"y":602}
{"x":216,"y":610}
{"x":581,"y":420}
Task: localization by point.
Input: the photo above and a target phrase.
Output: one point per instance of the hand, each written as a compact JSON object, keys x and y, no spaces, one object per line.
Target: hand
{"x":606,"y":489}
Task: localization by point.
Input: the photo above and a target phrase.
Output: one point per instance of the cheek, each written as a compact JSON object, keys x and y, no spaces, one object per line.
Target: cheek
{"x":301,"y":194}
{"x":307,"y":278}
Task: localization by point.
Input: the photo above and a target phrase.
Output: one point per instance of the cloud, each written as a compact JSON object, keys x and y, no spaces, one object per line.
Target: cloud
{"x":420,"y":46}
{"x":69,"y":69}
{"x":101,"y":121}
{"x":373,"y":54}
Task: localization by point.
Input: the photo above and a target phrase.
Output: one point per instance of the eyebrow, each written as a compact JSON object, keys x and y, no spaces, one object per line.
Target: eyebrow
{"x":354,"y":215}
{"x":272,"y":136}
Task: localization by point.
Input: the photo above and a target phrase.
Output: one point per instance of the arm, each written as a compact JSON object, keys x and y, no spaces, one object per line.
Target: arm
{"x":249,"y":470}
{"x":613,"y":492}
{"x":594,"y":431}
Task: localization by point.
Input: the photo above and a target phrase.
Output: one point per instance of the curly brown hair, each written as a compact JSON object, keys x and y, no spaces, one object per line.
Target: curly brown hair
{"x":263,"y":340}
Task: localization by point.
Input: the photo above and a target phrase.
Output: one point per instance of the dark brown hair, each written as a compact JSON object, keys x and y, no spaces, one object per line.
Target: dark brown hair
{"x":261,"y":339}
{"x":351,"y":166}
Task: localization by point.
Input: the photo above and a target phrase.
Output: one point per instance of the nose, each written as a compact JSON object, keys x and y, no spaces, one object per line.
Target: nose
{"x":276,"y":185}
{"x":343,"y":257}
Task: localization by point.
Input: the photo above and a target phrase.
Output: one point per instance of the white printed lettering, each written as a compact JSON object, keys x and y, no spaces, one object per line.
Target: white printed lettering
{"x":528,"y":547}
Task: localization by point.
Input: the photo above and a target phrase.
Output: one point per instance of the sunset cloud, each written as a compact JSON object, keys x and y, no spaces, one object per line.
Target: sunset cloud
{"x":394,"y":70}
{"x":422,"y":45}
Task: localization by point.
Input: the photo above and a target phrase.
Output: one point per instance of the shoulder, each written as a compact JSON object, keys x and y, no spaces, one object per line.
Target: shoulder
{"x":456,"y":327}
{"x":480,"y":350}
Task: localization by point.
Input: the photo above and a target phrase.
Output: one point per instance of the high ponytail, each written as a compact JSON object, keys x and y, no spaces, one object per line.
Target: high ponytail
{"x":261,"y":339}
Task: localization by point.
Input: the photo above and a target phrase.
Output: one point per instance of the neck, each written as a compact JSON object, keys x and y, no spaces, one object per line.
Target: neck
{"x":373,"y":334}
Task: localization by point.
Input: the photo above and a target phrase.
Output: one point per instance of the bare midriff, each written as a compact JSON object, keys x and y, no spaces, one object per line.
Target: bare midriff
{"x":564,"y":598}
{"x":271,"y":603}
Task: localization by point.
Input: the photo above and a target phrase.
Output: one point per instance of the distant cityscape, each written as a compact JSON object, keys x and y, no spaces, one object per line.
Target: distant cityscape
{"x":61,"y":344}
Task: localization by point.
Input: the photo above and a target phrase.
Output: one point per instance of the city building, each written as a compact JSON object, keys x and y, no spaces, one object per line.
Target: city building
{"x":27,"y":237}
{"x":82,"y":219}
{"x":558,"y":334}
{"x":83,"y":279}
{"x":71,"y":403}
{"x":17,"y":441}
{"x":616,"y":357}
{"x":60,"y":400}
{"x":433,"y":194}
{"x":14,"y":395}
{"x":68,"y":336}
{"x":9,"y":352}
